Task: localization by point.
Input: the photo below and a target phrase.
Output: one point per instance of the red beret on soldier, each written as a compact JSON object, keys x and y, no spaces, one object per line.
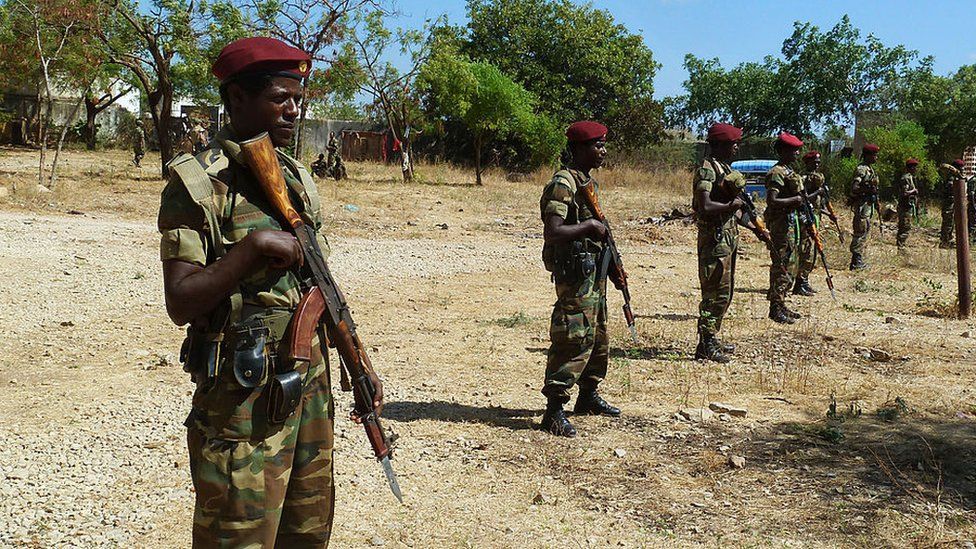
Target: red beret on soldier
{"x":261,"y":55}
{"x":871,"y":148}
{"x":585,"y":130}
{"x":812,"y":155}
{"x":911,"y":162}
{"x":723,"y":132}
{"x":959,"y":163}
{"x":789,"y":140}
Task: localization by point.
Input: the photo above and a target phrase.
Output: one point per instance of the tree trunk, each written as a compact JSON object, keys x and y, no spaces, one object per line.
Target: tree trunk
{"x":64,"y":132}
{"x":45,"y":121}
{"x":477,"y":158}
{"x":161,"y":109}
{"x":90,"y":112}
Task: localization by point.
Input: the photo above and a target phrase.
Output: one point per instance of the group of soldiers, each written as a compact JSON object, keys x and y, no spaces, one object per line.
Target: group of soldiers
{"x":233,"y":271}
{"x":333,"y":166}
{"x":790,"y":227}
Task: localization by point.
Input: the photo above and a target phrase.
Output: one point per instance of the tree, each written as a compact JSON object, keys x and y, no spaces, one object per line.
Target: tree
{"x":362,"y":65}
{"x":42,"y":39}
{"x":153,"y":40}
{"x":489,"y":103}
{"x":945,"y":106}
{"x":578,"y":61}
{"x":836,"y":73}
{"x":899,"y":141}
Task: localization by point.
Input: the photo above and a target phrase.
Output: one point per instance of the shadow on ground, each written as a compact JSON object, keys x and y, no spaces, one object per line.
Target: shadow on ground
{"x":439,"y":410}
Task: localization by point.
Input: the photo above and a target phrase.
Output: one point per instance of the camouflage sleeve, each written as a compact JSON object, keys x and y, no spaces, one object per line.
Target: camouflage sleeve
{"x":557,"y":200}
{"x":775,"y":179}
{"x":861,"y":176}
{"x":906,"y":185}
{"x":181,"y":225}
{"x":704,"y":180}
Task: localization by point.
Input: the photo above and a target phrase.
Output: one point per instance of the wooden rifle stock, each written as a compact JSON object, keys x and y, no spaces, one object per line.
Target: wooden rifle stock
{"x":261,"y":157}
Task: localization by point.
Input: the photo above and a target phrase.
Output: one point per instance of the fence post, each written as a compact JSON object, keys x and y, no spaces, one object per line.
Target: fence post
{"x":962,"y":249}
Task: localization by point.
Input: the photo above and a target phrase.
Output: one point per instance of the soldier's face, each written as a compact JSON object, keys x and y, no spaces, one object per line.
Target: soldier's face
{"x":912,"y":168}
{"x":591,"y":154}
{"x":725,"y":150}
{"x":273,"y":110}
{"x":870,"y":158}
{"x":813,"y":164}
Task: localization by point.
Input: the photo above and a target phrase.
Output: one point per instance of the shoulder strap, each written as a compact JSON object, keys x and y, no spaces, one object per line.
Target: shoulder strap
{"x":311,"y":191}
{"x":198,"y":184}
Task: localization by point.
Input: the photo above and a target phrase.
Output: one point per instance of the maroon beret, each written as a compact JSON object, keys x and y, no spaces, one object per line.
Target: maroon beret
{"x":586,"y":130}
{"x":789,"y":140}
{"x":259,"y":54}
{"x":911,"y":162}
{"x":959,"y":163}
{"x":871,"y":148}
{"x":812,"y":155}
{"x":723,"y":132}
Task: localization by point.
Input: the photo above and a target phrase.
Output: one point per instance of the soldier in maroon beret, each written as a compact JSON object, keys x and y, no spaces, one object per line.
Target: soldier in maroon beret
{"x":813,"y":186}
{"x":233,"y":274}
{"x":907,"y":202}
{"x":784,"y":196}
{"x":864,"y":197}
{"x":573,"y":242}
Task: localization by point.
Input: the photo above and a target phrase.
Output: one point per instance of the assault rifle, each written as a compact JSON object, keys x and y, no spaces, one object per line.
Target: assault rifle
{"x":876,"y":206}
{"x":322,"y":304}
{"x":831,"y":214}
{"x":616,"y":273}
{"x":810,"y":224}
{"x":760,"y":230}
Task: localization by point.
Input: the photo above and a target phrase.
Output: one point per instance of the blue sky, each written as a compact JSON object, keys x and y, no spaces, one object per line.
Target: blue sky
{"x":749,"y":30}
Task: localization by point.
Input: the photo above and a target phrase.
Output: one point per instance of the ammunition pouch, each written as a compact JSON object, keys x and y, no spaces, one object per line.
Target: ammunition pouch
{"x":576,"y":262}
{"x":200,"y":355}
{"x":284,"y":395}
{"x":252,"y":356}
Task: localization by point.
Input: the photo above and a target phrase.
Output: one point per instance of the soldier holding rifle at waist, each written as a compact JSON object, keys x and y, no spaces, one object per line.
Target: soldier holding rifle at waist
{"x":575,"y":238}
{"x":260,"y":435}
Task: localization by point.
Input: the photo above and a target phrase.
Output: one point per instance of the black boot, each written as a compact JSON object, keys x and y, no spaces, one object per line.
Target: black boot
{"x":554,"y":421}
{"x":791,"y":313}
{"x":857,"y":262}
{"x":589,"y":402}
{"x":777,"y":312}
{"x":709,"y":349}
{"x":802,"y":287}
{"x":727,"y":348}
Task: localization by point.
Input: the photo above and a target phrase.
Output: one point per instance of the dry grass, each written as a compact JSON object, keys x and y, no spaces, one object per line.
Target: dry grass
{"x":472,"y":368}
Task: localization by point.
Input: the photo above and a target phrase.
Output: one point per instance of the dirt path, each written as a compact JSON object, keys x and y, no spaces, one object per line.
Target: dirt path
{"x":92,"y":400}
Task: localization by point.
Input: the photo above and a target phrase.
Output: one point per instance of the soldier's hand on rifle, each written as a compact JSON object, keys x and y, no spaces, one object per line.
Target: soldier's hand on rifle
{"x":377,"y":400}
{"x":596,"y":229}
{"x":280,"y":248}
{"x":736,"y":204}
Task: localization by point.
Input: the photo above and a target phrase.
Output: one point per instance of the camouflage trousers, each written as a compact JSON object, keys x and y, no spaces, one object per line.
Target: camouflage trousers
{"x":780,"y":255}
{"x":807,"y":255}
{"x":717,"y":250}
{"x":904,"y":224}
{"x":948,"y":221}
{"x":861,"y":226}
{"x":258,"y":484}
{"x":580,"y":346}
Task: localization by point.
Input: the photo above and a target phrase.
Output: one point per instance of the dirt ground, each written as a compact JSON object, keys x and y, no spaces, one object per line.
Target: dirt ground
{"x":859,"y":426}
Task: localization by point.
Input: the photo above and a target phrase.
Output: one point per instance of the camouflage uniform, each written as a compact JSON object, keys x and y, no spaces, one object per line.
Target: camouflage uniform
{"x":718,"y":244}
{"x":863,"y":187}
{"x":907,"y":204}
{"x":578,"y":329}
{"x":812,"y":182}
{"x":780,"y":222}
{"x":946,"y":198}
{"x":257,"y":483}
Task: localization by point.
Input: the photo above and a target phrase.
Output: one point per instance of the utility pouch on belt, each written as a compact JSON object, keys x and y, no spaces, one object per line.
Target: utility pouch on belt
{"x":575,"y":263}
{"x":251,"y":357}
{"x":200,"y":355}
{"x":284,"y":394}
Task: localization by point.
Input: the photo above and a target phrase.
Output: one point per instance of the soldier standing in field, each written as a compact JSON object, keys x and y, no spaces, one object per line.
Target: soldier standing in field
{"x":232,"y":273}
{"x":138,"y":144}
{"x":907,"y":202}
{"x":716,"y":202}
{"x":949,"y":173}
{"x":813,"y":185}
{"x":864,"y":194}
{"x":574,"y":244}
{"x":784,"y":188}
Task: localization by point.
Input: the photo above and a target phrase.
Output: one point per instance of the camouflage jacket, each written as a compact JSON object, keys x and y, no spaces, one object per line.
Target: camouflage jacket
{"x":709,"y":177}
{"x":865,"y":183}
{"x":561,"y":197}
{"x":814,"y":181}
{"x":906,"y":184}
{"x":788,"y":183}
{"x":240,"y":207}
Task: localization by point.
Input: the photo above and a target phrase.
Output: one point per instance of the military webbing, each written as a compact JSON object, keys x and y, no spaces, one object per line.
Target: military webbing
{"x":198,"y":184}
{"x":306,"y":179}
